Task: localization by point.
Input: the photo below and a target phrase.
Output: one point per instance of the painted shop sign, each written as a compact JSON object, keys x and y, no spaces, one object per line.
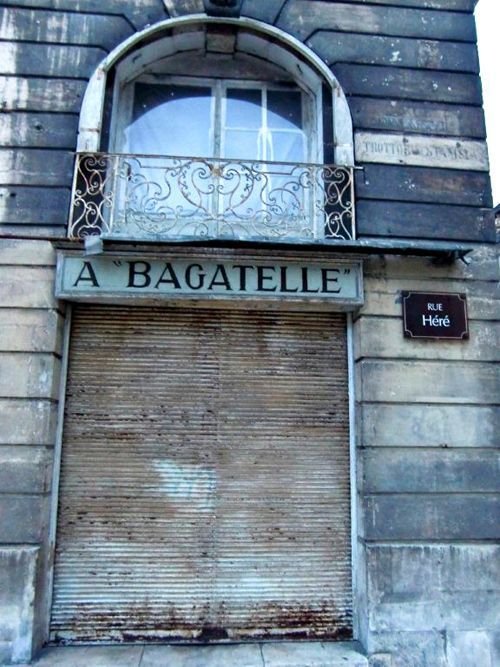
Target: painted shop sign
{"x":431,"y":315}
{"x":196,"y":277}
{"x":421,"y":151}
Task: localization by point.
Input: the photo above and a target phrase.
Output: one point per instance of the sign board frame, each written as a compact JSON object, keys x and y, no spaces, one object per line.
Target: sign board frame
{"x":285,"y":281}
{"x":435,"y":315}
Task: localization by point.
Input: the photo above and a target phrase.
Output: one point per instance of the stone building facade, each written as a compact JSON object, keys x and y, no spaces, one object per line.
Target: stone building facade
{"x":416,"y":420}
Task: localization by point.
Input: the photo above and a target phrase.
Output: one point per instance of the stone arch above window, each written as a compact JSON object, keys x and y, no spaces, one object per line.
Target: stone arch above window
{"x":217,"y":129}
{"x":230,"y":49}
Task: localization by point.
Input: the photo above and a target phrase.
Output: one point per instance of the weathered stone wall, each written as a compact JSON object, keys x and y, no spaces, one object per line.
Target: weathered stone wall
{"x":30,"y":360}
{"x":428,"y":424}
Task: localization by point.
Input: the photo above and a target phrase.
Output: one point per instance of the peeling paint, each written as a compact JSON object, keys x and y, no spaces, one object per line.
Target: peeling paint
{"x":187,"y":483}
{"x":17,"y":594}
{"x":8,"y":54}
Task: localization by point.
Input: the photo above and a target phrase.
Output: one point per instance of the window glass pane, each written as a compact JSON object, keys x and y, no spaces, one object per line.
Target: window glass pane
{"x":178,"y":119}
{"x":243,"y":108}
{"x":287,"y":147}
{"x":171,"y":120}
{"x":284,"y":109}
{"x":245,"y":145}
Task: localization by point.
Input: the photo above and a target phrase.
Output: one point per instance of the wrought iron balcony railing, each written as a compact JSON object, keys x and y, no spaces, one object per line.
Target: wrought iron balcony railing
{"x":157,"y":198}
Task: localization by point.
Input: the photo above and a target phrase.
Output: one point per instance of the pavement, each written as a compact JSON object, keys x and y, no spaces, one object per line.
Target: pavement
{"x":266,"y":654}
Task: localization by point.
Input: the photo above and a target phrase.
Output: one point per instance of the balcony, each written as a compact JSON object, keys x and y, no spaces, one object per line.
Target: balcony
{"x":158,"y":198}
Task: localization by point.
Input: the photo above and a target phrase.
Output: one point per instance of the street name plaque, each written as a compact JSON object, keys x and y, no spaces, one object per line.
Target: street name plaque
{"x":112,"y":276}
{"x":433,"y":315}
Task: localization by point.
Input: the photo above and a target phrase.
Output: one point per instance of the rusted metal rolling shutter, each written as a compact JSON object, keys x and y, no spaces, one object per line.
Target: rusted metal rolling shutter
{"x":205,"y":477}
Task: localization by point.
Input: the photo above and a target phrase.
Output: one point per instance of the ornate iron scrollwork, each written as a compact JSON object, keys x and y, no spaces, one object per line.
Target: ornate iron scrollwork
{"x":167,"y":198}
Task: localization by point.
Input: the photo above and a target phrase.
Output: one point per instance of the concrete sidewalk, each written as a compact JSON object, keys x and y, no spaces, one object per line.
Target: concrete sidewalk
{"x":282,"y":654}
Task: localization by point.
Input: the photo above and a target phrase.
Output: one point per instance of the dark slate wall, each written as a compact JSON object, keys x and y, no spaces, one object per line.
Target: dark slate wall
{"x":407,"y":67}
{"x":48,"y":50}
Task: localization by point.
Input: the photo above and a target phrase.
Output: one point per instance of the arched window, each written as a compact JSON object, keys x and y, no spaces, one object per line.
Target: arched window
{"x":249,"y":119}
{"x":222,"y":130}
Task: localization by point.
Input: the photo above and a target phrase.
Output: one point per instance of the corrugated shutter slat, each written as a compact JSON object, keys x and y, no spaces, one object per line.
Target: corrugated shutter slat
{"x":205,"y":477}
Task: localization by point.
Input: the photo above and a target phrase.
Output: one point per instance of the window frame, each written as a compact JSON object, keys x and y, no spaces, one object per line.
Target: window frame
{"x":312,"y":110}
